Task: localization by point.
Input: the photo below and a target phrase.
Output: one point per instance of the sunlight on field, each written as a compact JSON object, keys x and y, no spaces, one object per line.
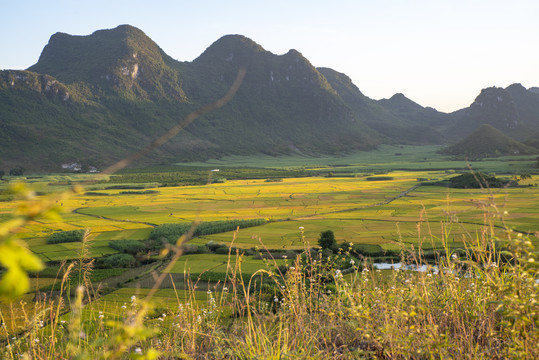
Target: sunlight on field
{"x":356,"y":209}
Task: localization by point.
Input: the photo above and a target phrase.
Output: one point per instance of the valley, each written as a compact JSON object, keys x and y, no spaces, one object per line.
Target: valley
{"x":384,"y":216}
{"x":253,"y":230}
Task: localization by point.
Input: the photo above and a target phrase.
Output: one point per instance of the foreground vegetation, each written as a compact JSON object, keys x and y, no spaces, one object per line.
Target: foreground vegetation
{"x":478,"y":304}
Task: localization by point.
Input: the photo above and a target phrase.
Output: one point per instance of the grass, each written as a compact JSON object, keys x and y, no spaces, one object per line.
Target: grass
{"x":467,"y":310}
{"x":480,"y":303}
{"x":344,"y":205}
{"x":306,"y":310}
{"x":385,"y":159}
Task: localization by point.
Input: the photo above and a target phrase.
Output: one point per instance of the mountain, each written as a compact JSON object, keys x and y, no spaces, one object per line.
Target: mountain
{"x":121,"y":61}
{"x":493,"y":106}
{"x":94,"y":99}
{"x":513,"y":110}
{"x":119,"y":90}
{"x":284,"y":104}
{"x":426,"y":122}
{"x":487,"y":141}
{"x":527,"y":105}
{"x":532,"y":140}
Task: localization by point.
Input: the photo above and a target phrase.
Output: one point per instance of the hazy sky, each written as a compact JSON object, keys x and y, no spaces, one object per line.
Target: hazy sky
{"x":438,"y":53}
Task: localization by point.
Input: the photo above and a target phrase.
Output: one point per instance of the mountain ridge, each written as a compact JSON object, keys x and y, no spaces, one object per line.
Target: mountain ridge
{"x":118,"y":89}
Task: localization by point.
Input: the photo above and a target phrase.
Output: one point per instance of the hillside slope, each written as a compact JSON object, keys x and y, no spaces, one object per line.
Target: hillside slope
{"x":487,"y":141}
{"x":94,"y":99}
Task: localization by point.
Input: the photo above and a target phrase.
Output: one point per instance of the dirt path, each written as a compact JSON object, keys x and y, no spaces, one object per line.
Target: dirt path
{"x":77,"y":211}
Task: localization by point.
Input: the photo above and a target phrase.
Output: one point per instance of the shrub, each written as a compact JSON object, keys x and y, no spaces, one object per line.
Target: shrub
{"x":66,"y":236}
{"x":116,"y":261}
{"x":222,"y":250}
{"x":172,"y":232}
{"x":132,"y":247}
{"x":194,"y":249}
{"x":476,"y":181}
{"x":327,"y":240}
{"x":379,"y":178}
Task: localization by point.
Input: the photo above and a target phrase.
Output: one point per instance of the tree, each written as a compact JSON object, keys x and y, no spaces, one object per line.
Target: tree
{"x":2,"y":173}
{"x":327,"y":240}
{"x":16,"y":171}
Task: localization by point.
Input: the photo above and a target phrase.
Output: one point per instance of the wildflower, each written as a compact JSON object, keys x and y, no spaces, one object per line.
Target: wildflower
{"x":62,"y":321}
{"x":225,"y":288}
{"x":124,"y":307}
{"x":164,"y":315}
{"x":301,"y":228}
{"x":338,"y":273}
{"x":138,"y":351}
{"x":275,"y":299}
{"x":133,"y":298}
{"x":292,"y":268}
{"x":36,"y":341}
{"x":454,"y":256}
{"x":284,"y":256}
{"x":101,"y":316}
{"x":352,"y":262}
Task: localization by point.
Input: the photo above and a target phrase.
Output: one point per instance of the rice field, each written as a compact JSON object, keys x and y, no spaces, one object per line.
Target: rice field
{"x":357,"y":210}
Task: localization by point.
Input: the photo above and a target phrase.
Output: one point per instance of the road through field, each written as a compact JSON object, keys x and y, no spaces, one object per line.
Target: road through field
{"x":77,"y":211}
{"x":382,"y":203}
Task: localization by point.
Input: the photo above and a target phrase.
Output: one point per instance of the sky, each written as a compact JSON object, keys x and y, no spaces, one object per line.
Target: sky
{"x":439,"y":53}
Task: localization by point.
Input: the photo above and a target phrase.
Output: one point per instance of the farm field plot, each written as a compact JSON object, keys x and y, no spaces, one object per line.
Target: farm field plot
{"x":357,"y":209}
{"x":198,"y":263}
{"x":111,"y":217}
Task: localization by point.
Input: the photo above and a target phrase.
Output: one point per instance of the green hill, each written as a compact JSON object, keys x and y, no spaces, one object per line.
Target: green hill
{"x":487,"y":141}
{"x":94,"y":99}
{"x":121,"y":90}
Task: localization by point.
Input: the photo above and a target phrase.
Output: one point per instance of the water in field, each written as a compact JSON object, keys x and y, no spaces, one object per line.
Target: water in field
{"x":394,"y":266}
